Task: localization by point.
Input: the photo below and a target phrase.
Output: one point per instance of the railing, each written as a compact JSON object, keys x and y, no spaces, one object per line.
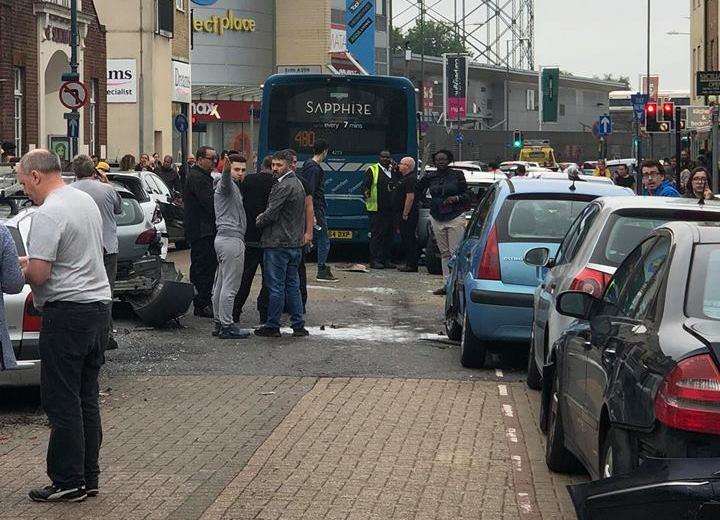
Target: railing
{"x":62,"y":3}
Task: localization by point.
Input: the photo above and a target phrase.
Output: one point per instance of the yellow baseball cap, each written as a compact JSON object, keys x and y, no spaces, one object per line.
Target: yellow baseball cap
{"x":103,"y":167}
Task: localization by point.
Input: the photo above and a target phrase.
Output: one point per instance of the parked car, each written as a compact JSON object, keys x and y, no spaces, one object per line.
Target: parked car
{"x":490,"y":289}
{"x":478,"y":182}
{"x":157,"y":202}
{"x":599,"y":239}
{"x":636,"y":376}
{"x":547,"y":174}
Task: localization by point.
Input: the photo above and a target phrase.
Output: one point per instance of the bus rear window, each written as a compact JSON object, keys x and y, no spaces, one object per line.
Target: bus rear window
{"x":353,"y":119}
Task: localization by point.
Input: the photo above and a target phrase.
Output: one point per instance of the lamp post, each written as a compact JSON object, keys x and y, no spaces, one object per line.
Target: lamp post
{"x":73,"y":75}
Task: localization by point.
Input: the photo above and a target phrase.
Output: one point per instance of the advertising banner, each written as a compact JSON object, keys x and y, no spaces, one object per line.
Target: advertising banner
{"x":455,"y":72}
{"x":360,"y":32}
{"x":182,"y":83}
{"x":121,"y":81}
{"x":550,"y":94}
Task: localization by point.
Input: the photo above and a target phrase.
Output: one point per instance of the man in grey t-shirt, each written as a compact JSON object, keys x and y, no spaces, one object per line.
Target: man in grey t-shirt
{"x":64,"y":268}
{"x":110,"y":205}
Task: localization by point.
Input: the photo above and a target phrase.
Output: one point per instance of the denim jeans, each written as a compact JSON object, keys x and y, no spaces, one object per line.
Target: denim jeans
{"x":283,"y":285}
{"x":73,"y":338}
{"x":322,"y":242}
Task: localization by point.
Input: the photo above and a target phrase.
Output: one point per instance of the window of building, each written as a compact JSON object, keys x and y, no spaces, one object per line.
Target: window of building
{"x":93,"y":117}
{"x":18,"y":113}
{"x":530,"y":100}
{"x":180,"y":5}
{"x":562,"y":110}
{"x":164,"y":17}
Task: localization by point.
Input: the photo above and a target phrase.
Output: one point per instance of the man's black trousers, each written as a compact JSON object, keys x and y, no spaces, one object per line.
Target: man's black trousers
{"x":72,"y":341}
{"x":408,"y":235}
{"x":203,"y":264}
{"x":382,"y":225}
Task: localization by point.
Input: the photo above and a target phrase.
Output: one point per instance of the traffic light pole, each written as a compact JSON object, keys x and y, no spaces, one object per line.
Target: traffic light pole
{"x":74,"y":63}
{"x":715,"y":149}
{"x":678,"y":143}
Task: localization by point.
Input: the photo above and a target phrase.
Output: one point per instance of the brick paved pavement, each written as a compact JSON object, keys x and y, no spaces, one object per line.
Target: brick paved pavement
{"x":274,"y":447}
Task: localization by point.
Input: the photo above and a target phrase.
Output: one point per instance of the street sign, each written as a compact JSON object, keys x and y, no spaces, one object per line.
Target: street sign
{"x":73,"y":95}
{"x":549,"y":94}
{"x":708,"y":82}
{"x":459,"y":138}
{"x":638,"y":102}
{"x":654,"y":87}
{"x":181,"y":123}
{"x":698,"y":118}
{"x":73,"y":128}
{"x":604,"y":125}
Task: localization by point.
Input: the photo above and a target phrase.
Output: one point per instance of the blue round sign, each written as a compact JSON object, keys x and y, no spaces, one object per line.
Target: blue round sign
{"x":204,"y":2}
{"x":181,"y":123}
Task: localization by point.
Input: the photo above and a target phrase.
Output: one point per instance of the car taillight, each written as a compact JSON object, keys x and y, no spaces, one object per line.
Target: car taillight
{"x":32,"y":319}
{"x":489,"y":267}
{"x":157,"y":215}
{"x":689,"y":398}
{"x":590,"y":281}
{"x":147,"y":237}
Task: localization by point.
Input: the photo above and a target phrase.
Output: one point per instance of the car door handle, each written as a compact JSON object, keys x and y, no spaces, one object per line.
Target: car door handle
{"x":587,"y":345}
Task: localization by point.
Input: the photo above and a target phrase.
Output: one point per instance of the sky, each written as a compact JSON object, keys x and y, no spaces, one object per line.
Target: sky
{"x":591,"y":37}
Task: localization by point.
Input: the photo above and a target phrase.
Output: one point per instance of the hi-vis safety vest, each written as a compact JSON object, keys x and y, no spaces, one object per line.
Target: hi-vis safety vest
{"x":371,"y":203}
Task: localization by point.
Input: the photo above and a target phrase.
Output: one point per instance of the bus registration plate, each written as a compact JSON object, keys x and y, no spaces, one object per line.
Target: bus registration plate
{"x":340,"y":235}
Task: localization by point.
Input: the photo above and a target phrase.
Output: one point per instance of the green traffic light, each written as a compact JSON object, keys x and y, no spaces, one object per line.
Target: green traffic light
{"x":517,"y":144}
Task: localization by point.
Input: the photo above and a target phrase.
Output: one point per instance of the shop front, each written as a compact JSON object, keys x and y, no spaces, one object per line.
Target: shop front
{"x":226,"y":125}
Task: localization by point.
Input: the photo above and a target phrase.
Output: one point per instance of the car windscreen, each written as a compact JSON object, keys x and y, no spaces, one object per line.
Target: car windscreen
{"x":355,"y":119}
{"x":133,"y":185}
{"x":132,"y":214}
{"x":624,"y":230}
{"x":539,"y":218}
{"x":703,"y":292}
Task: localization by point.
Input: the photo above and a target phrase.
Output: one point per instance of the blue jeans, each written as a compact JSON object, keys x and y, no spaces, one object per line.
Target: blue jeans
{"x":283,"y":284}
{"x":322,"y":242}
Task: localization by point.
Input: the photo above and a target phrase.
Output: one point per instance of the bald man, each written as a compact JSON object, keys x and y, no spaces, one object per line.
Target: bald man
{"x":407,"y":215}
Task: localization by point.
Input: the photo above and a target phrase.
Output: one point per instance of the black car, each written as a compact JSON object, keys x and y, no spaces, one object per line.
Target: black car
{"x":637,"y":375}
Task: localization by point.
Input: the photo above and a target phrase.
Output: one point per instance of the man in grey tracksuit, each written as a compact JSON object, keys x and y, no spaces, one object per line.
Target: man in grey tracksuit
{"x":229,"y":246}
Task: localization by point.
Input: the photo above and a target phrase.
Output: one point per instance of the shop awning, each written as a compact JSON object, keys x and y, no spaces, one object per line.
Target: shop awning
{"x":227,"y":92}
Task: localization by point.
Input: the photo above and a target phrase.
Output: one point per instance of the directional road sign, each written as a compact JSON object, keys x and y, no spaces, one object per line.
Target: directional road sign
{"x":73,"y":95}
{"x":604,"y":125}
{"x":73,"y":128}
{"x":181,"y":123}
{"x":459,"y":138}
{"x":699,"y":118}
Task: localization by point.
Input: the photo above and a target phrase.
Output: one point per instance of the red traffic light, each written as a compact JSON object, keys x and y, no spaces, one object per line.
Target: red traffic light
{"x":651,"y":108}
{"x":668,"y":111}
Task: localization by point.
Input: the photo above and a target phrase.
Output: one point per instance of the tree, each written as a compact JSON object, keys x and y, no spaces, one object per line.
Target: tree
{"x":439,"y":38}
{"x":618,"y":79}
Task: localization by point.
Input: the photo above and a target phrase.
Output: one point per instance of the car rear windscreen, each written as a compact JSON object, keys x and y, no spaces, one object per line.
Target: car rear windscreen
{"x":626,"y":229}
{"x":132,"y":214}
{"x":539,"y":219}
{"x":703,"y":293}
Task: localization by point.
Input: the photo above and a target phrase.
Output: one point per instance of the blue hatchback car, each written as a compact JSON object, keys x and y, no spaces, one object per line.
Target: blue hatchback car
{"x":490,"y":288}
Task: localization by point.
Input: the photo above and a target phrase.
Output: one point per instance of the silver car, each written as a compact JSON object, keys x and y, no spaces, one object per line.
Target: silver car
{"x":596,"y":243}
{"x":135,"y":235}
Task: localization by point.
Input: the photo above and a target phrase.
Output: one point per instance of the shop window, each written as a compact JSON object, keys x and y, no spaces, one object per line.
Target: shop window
{"x":93,"y":117}
{"x":562,"y":110}
{"x":530,"y":100}
{"x":165,"y":17}
{"x":19,"y":91}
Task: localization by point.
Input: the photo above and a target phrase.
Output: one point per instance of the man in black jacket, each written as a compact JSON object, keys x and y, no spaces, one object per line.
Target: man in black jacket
{"x":255,"y":189}
{"x":200,"y":229}
{"x":379,"y":191}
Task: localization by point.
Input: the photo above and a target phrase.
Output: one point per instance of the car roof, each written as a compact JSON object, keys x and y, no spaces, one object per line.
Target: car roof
{"x":643,"y":201}
{"x":529,"y":185}
{"x":701,"y":232}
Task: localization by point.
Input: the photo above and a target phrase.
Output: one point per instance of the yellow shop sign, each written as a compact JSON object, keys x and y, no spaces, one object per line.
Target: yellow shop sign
{"x":220,"y":24}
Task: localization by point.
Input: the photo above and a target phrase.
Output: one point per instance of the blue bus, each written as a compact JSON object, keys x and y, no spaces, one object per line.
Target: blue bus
{"x":359,"y":116}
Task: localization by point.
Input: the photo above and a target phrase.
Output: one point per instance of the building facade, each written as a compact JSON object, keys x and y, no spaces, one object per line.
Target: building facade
{"x":34,"y":54}
{"x":149,"y":75}
{"x":704,"y":40}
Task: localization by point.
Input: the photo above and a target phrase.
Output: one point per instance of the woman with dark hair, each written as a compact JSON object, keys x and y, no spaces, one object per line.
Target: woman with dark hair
{"x":450,"y":199}
{"x":127,"y":163}
{"x":697,"y":186}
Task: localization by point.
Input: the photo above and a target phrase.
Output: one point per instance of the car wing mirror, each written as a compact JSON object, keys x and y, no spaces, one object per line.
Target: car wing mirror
{"x":538,"y":256}
{"x":575,"y":304}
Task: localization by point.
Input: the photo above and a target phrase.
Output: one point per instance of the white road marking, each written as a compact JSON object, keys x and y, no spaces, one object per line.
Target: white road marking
{"x":512,"y":435}
{"x":525,"y":503}
{"x":508,"y":410}
{"x":517,"y":462}
{"x":498,"y":372}
{"x":503,"y":390}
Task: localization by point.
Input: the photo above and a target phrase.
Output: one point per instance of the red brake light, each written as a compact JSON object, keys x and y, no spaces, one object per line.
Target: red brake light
{"x":147,"y":237}
{"x":590,"y":281}
{"x":32,"y":319}
{"x":689,"y":398}
{"x":489,"y":267}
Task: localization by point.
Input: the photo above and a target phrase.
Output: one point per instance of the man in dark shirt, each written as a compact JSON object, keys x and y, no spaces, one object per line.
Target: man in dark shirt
{"x":378,"y":188}
{"x":314,"y":176}
{"x":255,"y":189}
{"x":169,"y":174}
{"x":200,"y":229}
{"x":623,"y":177}
{"x":407,"y":214}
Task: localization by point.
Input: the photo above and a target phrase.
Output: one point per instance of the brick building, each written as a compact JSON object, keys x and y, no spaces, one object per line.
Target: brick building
{"x":34,"y":53}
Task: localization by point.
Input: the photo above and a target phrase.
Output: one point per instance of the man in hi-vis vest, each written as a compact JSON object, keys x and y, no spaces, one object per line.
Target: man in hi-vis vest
{"x":380,"y":182}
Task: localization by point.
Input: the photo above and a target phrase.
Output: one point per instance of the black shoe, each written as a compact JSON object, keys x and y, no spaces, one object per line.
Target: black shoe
{"x":204,"y":312}
{"x":389,"y":265}
{"x":112,"y":344}
{"x":407,"y":269}
{"x":377,"y":265}
{"x":268,"y":332}
{"x":300,"y":333}
{"x":233,"y":332}
{"x":216,"y":328}
{"x":55,"y":494}
{"x":92,"y":490}
{"x":440,"y":292}
{"x":324,"y":274}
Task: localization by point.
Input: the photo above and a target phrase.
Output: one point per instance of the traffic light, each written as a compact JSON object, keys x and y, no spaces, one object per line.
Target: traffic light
{"x":651,"y":116}
{"x":668,"y":112}
{"x":517,"y":139}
